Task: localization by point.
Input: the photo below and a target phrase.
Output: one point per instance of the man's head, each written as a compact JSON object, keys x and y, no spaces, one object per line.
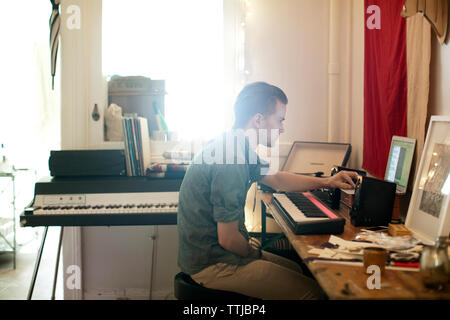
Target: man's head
{"x":262,"y":107}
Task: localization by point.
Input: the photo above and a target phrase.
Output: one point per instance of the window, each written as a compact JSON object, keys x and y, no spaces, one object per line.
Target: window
{"x":180,"y":42}
{"x":30,"y":109}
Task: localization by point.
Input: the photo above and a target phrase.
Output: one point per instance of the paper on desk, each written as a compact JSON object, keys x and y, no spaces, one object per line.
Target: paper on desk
{"x":344,"y":244}
{"x":331,"y":254}
{"x":346,"y":250}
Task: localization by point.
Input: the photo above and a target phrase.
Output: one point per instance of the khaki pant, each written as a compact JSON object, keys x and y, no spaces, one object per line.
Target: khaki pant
{"x":270,"y":278}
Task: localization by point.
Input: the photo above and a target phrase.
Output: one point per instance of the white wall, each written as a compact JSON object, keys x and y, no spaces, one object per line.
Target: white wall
{"x":288,"y":47}
{"x":320,"y":68}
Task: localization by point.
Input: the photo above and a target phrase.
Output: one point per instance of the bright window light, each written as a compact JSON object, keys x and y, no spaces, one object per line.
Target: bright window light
{"x":30,"y":109}
{"x":180,"y":42}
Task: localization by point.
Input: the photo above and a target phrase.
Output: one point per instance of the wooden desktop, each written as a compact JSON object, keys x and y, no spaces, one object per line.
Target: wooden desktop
{"x":345,"y":281}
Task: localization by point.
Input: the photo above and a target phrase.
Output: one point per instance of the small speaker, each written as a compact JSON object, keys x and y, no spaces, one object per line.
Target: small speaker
{"x":373,"y":202}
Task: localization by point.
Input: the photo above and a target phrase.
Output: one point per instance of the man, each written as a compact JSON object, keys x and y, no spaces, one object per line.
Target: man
{"x":213,"y":241}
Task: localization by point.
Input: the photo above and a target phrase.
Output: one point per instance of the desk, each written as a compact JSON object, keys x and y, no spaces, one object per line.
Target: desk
{"x":349,"y":282}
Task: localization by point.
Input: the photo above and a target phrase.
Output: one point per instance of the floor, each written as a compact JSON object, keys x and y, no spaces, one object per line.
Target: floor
{"x":15,"y":283}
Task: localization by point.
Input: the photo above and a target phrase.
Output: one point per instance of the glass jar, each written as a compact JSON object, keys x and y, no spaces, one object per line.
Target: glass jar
{"x":435,"y":265}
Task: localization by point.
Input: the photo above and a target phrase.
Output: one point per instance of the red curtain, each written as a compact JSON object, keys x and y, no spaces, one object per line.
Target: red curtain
{"x":385,"y":86}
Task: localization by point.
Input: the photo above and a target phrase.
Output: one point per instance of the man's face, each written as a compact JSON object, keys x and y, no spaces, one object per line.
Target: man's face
{"x":274,"y":122}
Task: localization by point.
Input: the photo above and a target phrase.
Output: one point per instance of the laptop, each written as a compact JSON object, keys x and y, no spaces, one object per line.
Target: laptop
{"x":399,"y":162}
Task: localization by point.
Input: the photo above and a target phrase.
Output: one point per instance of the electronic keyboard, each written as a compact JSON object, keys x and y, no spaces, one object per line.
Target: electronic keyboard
{"x":103,"y":201}
{"x":306,"y":214}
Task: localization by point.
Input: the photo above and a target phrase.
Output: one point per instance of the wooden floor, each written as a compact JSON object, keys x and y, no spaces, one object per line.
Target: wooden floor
{"x":14,"y":284}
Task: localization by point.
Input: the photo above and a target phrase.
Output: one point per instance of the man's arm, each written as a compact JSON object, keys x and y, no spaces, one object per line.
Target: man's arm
{"x":291,"y":182}
{"x":232,"y":240}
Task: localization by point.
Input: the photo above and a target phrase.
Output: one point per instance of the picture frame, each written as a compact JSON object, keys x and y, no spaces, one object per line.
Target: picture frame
{"x":428,"y":214}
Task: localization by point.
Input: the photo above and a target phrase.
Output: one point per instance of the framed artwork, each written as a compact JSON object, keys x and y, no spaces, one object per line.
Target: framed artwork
{"x":428,"y":213}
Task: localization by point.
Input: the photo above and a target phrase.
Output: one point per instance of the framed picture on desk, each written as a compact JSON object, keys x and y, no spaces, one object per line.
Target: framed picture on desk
{"x":428,"y":213}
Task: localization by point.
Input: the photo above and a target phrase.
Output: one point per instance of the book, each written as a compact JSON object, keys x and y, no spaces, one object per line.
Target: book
{"x":137,"y":145}
{"x":145,"y":139}
{"x":126,"y":147}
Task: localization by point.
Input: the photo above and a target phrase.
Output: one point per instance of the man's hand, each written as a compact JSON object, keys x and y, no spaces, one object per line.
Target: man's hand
{"x":343,"y":180}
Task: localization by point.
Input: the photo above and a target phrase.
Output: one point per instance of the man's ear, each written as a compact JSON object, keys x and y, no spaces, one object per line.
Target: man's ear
{"x":258,"y":120}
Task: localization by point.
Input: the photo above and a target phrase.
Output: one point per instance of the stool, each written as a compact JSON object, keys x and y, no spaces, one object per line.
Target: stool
{"x":187,"y":289}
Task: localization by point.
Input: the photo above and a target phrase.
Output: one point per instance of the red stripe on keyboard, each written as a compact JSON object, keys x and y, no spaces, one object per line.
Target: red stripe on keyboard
{"x":327,"y":211}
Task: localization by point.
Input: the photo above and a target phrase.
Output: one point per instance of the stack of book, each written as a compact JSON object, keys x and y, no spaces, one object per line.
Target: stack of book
{"x":137,"y":145}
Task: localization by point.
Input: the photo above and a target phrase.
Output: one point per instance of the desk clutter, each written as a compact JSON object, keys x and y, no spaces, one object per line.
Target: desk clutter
{"x":167,"y":170}
{"x":403,"y":253}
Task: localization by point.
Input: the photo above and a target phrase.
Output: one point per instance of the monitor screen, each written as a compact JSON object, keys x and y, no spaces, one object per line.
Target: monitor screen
{"x":399,"y":161}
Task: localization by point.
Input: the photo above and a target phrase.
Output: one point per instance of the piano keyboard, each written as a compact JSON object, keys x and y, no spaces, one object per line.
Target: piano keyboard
{"x":306,"y":214}
{"x":107,"y":203}
{"x":102,"y":201}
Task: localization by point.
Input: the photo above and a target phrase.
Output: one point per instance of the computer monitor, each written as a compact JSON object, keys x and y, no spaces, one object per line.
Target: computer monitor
{"x":399,"y":162}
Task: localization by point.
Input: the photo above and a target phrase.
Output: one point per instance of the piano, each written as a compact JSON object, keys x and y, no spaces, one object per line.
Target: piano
{"x":305,"y":213}
{"x":102,"y":201}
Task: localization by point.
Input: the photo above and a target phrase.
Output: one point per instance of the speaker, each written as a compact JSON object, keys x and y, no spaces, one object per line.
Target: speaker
{"x":373,"y":202}
{"x":76,"y":163}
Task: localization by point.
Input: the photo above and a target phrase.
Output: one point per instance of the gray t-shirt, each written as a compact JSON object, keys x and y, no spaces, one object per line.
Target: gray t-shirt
{"x":214,"y":190}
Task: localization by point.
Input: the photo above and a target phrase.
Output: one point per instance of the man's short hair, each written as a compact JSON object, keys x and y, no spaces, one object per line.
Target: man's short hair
{"x":254,"y":98}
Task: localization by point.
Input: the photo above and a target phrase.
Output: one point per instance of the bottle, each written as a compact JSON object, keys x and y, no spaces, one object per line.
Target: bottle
{"x":4,"y":164}
{"x":435,"y":265}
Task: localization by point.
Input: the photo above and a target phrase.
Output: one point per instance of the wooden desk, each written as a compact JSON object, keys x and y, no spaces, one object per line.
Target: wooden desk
{"x":349,"y":282}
